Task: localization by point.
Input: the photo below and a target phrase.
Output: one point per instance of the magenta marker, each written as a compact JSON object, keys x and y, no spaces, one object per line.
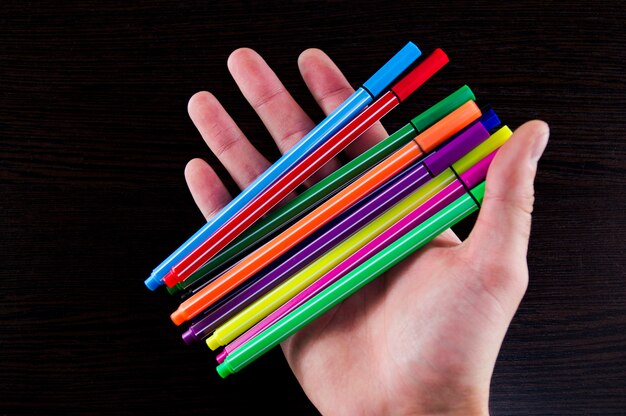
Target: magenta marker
{"x":467,"y":180}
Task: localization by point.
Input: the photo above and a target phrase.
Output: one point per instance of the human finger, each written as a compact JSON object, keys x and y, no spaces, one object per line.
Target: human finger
{"x":497,"y":246}
{"x":503,"y":225}
{"x":205,"y":186}
{"x":282,"y":116}
{"x":225,"y":139}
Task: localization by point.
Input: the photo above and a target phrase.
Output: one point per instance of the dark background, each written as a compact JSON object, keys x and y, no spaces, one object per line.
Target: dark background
{"x":95,"y":136}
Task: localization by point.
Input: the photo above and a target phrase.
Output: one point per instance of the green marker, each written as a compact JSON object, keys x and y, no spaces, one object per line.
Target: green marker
{"x":353,"y":281}
{"x":327,"y":187}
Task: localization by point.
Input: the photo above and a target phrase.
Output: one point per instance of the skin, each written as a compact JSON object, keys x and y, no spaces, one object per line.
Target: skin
{"x":424,"y":337}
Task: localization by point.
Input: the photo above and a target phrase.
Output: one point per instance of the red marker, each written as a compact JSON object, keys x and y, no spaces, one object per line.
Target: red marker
{"x":314,"y":161}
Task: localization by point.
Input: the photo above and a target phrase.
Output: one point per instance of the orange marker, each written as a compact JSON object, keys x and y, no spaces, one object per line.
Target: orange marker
{"x":411,"y":152}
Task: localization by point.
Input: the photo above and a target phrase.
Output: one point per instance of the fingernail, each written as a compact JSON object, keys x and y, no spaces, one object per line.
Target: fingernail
{"x":540,"y":142}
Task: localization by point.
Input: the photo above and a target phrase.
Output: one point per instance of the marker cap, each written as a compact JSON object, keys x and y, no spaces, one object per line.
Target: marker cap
{"x":392,"y":69}
{"x":496,"y":140}
{"x":448,"y":126}
{"x":489,"y":120}
{"x":477,"y":173}
{"x":420,"y":74}
{"x":479,"y":192}
{"x":457,"y":148}
{"x":443,"y":108}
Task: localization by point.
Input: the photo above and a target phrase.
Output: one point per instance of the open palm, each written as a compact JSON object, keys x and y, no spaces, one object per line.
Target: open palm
{"x":424,"y":337}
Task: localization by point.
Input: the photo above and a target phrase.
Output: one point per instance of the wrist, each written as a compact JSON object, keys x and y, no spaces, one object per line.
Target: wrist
{"x":474,"y":405}
{"x":464,"y":409}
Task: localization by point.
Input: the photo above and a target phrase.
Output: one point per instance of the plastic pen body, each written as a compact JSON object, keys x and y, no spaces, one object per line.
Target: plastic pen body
{"x":324,"y":130}
{"x":379,"y":174}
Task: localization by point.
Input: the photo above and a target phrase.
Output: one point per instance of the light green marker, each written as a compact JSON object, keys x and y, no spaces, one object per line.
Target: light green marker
{"x":353,"y":281}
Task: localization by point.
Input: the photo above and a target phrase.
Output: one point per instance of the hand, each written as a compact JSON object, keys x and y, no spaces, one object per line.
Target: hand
{"x":424,"y":337}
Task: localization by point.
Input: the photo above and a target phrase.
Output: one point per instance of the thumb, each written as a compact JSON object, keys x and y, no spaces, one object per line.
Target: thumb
{"x":503,"y":225}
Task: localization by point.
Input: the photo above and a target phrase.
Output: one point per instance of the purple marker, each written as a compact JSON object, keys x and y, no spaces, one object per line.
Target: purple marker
{"x":467,"y":180}
{"x":405,"y":183}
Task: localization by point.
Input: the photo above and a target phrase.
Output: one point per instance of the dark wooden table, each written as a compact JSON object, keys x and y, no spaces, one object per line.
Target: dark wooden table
{"x":95,"y":135}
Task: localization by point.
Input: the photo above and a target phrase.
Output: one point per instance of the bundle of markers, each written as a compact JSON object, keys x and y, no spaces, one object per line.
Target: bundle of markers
{"x":254,"y":274}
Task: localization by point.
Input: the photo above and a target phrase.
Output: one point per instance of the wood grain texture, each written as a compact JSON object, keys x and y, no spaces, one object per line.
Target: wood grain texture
{"x":94,"y":137}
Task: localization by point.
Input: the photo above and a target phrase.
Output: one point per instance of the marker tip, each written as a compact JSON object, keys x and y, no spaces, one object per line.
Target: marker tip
{"x":178,"y":317}
{"x":189,"y":337}
{"x":212,"y":342}
{"x":170,"y":279}
{"x":223,"y":370}
{"x":221,"y":356}
{"x":152,"y":283}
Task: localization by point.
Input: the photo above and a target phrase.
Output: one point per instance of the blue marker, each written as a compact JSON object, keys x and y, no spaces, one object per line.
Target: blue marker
{"x":322,"y":132}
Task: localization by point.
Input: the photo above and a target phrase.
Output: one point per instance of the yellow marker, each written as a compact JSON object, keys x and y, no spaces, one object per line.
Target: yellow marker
{"x":272,"y":300}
